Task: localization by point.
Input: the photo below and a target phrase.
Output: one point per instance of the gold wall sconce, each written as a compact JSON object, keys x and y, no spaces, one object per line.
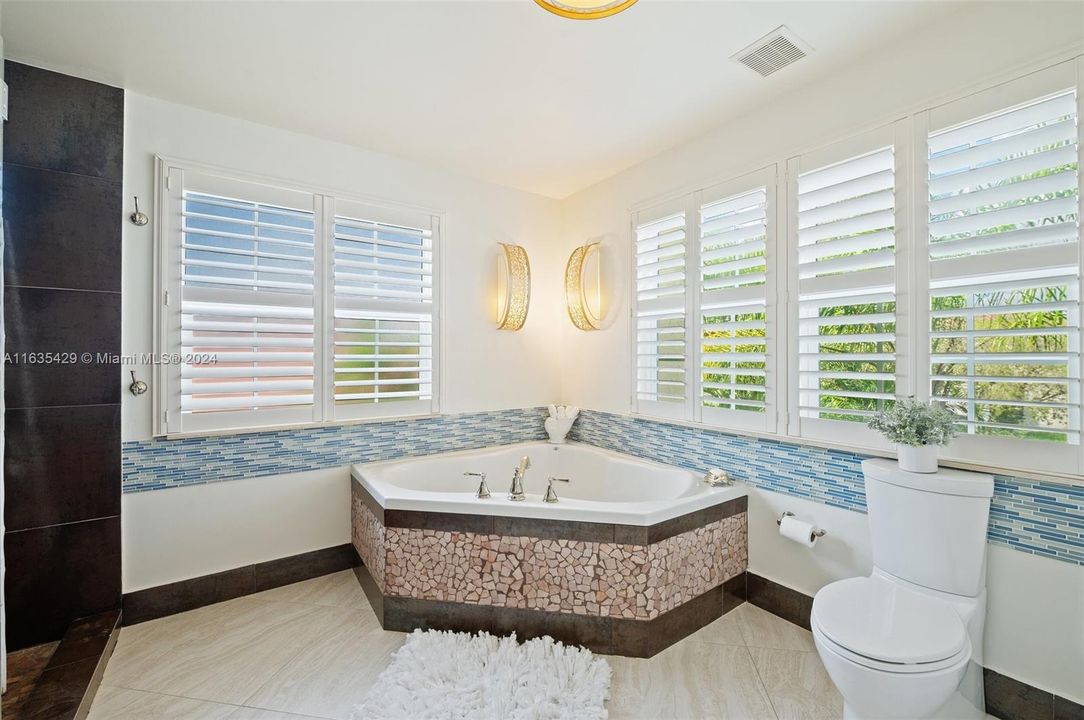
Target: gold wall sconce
{"x":583,"y":287}
{"x":513,"y":287}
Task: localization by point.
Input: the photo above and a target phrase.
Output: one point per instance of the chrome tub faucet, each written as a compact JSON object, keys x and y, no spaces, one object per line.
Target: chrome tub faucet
{"x":483,"y":489}
{"x":516,"y":493}
{"x":551,"y":494}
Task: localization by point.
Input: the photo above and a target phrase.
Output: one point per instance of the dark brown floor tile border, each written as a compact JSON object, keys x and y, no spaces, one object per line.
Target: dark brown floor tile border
{"x":548,"y":529}
{"x":184,"y":595}
{"x":617,"y":636}
{"x":1006,"y":697}
{"x":1011,"y":699}
{"x":780,"y":600}
{"x":735,"y":592}
{"x":66,"y":687}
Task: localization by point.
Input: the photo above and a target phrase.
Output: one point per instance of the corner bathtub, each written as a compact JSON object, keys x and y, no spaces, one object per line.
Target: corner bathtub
{"x":604,"y":487}
{"x":633,"y":557}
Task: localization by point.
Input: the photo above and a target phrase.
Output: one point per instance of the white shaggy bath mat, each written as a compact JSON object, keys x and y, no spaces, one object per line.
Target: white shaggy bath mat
{"x":445,"y":675}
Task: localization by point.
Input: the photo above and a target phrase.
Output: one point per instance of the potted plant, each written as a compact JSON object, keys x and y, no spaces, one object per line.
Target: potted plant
{"x":917,"y":428}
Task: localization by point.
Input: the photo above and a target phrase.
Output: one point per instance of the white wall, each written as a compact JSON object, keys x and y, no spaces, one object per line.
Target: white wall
{"x":185,"y":532}
{"x":172,"y":535}
{"x":492,"y":370}
{"x":1035,"y":605}
{"x":1035,"y":628}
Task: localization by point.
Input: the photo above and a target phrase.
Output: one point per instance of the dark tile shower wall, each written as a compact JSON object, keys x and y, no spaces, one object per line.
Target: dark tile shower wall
{"x":63,"y":155}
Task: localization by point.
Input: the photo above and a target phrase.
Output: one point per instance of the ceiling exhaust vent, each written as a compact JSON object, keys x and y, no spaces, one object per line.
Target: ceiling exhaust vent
{"x":773,"y":52}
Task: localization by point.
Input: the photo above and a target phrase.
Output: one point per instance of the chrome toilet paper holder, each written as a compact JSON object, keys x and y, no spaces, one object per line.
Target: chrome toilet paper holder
{"x":818,"y":532}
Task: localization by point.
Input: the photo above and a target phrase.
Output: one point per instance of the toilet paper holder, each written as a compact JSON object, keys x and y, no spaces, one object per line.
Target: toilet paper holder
{"x":818,"y":532}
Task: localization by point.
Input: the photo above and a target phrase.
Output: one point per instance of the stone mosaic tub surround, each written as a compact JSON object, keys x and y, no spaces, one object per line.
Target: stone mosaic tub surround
{"x":571,"y":576}
{"x":557,"y":575}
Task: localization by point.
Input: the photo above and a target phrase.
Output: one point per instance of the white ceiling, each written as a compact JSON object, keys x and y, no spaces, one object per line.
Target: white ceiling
{"x":501,"y":91}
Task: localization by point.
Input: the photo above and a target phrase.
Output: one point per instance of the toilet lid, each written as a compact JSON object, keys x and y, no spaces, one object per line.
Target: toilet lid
{"x":885,"y":621}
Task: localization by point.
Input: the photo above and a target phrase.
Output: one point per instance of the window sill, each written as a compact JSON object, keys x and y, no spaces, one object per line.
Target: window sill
{"x":884,"y":452}
{"x":293,"y":426}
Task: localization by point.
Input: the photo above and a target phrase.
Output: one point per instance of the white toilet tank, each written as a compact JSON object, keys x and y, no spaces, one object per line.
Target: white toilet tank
{"x":929,"y":529}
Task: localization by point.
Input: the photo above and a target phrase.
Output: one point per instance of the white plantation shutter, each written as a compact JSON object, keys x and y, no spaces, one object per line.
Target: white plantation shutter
{"x":846,"y":280}
{"x":1004,"y":279}
{"x":384,"y":312}
{"x":243,"y":305}
{"x":661,"y":347}
{"x":290,"y":307}
{"x":734,"y":259}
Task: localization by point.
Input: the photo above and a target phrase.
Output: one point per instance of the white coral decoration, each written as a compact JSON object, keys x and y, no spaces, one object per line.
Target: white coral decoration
{"x":560,"y":422}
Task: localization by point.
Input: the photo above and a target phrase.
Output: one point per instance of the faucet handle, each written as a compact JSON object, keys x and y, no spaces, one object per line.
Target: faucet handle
{"x":551,"y":495}
{"x":483,"y":489}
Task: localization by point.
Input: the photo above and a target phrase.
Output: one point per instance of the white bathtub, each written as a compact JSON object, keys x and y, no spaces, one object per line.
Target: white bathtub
{"x":605,"y":486}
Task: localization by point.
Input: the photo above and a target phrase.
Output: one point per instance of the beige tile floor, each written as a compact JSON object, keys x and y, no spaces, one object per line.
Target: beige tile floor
{"x":312,"y":650}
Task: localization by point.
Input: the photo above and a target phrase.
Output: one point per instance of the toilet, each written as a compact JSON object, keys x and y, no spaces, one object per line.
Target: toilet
{"x":906,"y":642}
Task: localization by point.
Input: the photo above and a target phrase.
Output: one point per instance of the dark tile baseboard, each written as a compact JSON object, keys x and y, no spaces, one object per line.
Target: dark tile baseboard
{"x":780,"y":600}
{"x":1006,"y":697}
{"x":1010,"y":699}
{"x":64,"y":686}
{"x":184,"y":595}
{"x":616,"y":636}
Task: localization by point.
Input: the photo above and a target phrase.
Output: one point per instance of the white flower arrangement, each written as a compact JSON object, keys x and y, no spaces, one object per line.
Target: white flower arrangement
{"x":916,"y":423}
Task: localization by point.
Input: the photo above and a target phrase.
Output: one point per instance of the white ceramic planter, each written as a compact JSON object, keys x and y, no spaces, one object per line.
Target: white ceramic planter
{"x":918,"y":459}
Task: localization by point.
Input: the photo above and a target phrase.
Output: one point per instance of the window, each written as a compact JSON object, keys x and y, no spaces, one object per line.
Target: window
{"x":661,"y":342}
{"x":247,"y":270}
{"x":938,"y":256}
{"x":845,"y":282}
{"x":383,"y":315}
{"x":717,"y":324}
{"x":1004,"y":287}
{"x":736,"y":373}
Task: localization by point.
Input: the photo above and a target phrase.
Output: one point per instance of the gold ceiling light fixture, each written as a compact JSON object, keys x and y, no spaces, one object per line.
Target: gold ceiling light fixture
{"x":513,"y":287}
{"x":583,"y":287}
{"x":586,"y":9}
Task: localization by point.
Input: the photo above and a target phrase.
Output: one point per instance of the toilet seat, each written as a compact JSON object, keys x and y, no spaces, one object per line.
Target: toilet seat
{"x":882,"y":625}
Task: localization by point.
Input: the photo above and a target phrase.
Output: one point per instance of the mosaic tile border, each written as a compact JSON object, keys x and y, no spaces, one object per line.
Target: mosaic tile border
{"x":167,"y":463}
{"x":1037,"y":517}
{"x":1032,"y":516}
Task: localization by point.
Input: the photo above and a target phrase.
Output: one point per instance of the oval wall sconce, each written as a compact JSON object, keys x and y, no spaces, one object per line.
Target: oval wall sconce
{"x":513,"y":287}
{"x":583,"y":287}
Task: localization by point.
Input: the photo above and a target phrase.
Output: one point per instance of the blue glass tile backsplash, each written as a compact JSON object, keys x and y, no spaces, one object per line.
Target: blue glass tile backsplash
{"x":1038,"y":517}
{"x":159,"y":464}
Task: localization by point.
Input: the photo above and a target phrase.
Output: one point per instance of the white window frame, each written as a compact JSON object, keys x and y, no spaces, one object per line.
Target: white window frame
{"x":908,"y":135}
{"x":897,"y":135}
{"x":692,"y":409}
{"x":658,"y":408}
{"x":996,"y":451}
{"x":168,"y":421}
{"x":765,"y":422}
{"x":339,"y":412}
